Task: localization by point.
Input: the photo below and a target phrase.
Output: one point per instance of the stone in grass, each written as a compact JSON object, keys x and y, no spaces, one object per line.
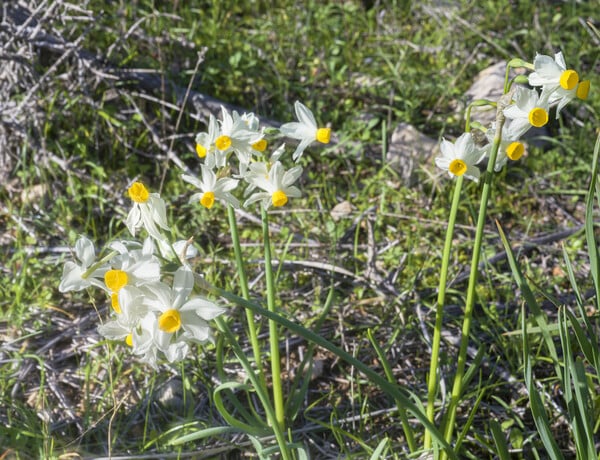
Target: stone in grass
{"x":488,"y":84}
{"x":170,"y":395}
{"x":409,"y":150}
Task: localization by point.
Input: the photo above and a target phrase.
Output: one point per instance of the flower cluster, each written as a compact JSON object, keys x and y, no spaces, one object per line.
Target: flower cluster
{"x":266,"y":178}
{"x":154,"y":310}
{"x":553,"y":85}
{"x":154,"y":318}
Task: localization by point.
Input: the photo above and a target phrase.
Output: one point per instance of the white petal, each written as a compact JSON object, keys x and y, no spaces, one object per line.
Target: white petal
{"x":442,"y":163}
{"x":113,"y":330}
{"x":472,"y":173}
{"x":192,"y":180}
{"x":291,"y":176}
{"x":133,"y":219}
{"x":208,"y":179}
{"x":304,"y":115}
{"x":300,"y":149}
{"x":84,"y":249}
{"x":463,"y":145}
{"x":183,"y":282}
{"x":447,"y":149}
{"x":226,"y":184}
{"x":293,"y":130}
{"x":258,"y":196}
{"x":513,"y":112}
{"x":71,"y":278}
{"x":293,"y":192}
{"x":204,"y":308}
{"x":159,"y":211}
{"x":176,"y":351}
{"x":199,"y":330}
{"x":560,"y":60}
{"x":190,"y":250}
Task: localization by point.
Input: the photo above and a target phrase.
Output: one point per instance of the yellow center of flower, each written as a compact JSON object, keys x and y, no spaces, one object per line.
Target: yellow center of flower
{"x":261,"y":145}
{"x":583,"y":89}
{"x":115,"y":279}
{"x":323,"y":135}
{"x":515,"y":150}
{"x":129,"y":340}
{"x":538,"y":117}
{"x":457,"y":167}
{"x":223,"y":142}
{"x":279,"y":198}
{"x":138,"y":193}
{"x":200,"y":150}
{"x":569,"y":79}
{"x":169,"y":321}
{"x":207,"y":200}
{"x":114,"y":302}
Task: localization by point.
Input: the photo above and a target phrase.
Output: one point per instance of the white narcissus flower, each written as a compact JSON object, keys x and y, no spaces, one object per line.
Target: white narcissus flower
{"x":236,"y":135}
{"x":181,"y":317}
{"x":552,"y":73}
{"x":559,"y":84}
{"x":510,"y":145}
{"x":253,"y":124}
{"x":528,"y":109}
{"x":132,"y":267}
{"x":212,"y":188}
{"x":130,"y":306}
{"x":206,"y":148}
{"x":305,"y":130}
{"x":277,"y":184}
{"x":205,"y":142}
{"x":459,"y":158}
{"x":258,"y":169}
{"x":148,"y":211}
{"x":77,"y":277}
{"x":143,"y":340}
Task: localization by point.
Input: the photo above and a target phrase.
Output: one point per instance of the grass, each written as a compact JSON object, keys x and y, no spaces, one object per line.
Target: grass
{"x":80,"y":138}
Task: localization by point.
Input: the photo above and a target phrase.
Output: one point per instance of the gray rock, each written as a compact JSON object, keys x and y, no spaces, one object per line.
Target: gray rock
{"x":408,"y":150}
{"x":488,"y":84}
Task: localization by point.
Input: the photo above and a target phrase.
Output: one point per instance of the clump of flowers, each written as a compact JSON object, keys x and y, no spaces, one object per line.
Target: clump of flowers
{"x":517,"y":111}
{"x":556,"y":86}
{"x":155,"y":311}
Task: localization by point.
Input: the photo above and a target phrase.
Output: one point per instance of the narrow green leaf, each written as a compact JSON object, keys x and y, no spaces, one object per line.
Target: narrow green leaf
{"x":500,"y":440}
{"x":254,"y":427}
{"x":537,"y":406}
{"x":387,"y":369}
{"x":588,"y":347}
{"x":531,"y":302}
{"x":205,"y":433}
{"x":379,"y":450}
{"x":589,"y":222}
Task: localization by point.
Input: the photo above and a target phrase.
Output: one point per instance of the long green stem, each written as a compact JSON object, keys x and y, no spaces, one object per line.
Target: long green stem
{"x":389,"y":388}
{"x":471,"y":289}
{"x":273,"y":329}
{"x":432,"y":379}
{"x":241,"y":269}
{"x":278,"y":430}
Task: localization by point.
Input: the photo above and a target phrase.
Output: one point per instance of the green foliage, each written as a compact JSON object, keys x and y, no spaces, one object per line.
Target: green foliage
{"x":359,"y":68}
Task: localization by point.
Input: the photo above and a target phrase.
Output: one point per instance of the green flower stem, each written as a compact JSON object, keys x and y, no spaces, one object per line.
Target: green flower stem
{"x":239,"y":262}
{"x":258,"y":387}
{"x":432,"y":379}
{"x":393,"y":390}
{"x":471,"y":289}
{"x":273,"y":332}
